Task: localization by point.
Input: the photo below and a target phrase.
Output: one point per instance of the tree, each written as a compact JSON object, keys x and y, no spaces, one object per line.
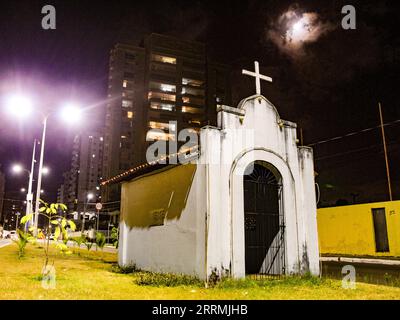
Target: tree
{"x":53,"y":213}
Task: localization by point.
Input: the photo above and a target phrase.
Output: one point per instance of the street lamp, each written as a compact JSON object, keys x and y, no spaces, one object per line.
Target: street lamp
{"x":70,"y":114}
{"x":19,"y":105}
{"x":22,"y":106}
{"x":89,"y":196}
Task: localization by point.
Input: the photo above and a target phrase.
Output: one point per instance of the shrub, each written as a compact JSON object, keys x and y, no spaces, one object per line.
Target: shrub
{"x":166,"y":280}
{"x":124,"y":269}
{"x":22,"y":241}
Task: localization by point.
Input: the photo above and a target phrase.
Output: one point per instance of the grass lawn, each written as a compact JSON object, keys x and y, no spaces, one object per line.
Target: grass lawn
{"x":86,"y":276}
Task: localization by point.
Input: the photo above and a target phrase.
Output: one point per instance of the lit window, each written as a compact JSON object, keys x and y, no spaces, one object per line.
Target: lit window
{"x":129,"y":114}
{"x":123,"y":137}
{"x":127,"y":104}
{"x":155,"y":135}
{"x":161,"y":125}
{"x":164,"y":59}
{"x":162,"y":106}
{"x":125,"y":83}
{"x":162,"y":86}
{"x":193,"y":91}
{"x":101,"y":139}
{"x":193,"y":100}
{"x":192,"y":82}
{"x":198,"y":122}
{"x":161,"y":96}
{"x":191,"y":110}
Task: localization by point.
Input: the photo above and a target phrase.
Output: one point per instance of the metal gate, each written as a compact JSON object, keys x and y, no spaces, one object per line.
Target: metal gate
{"x":264,"y":223}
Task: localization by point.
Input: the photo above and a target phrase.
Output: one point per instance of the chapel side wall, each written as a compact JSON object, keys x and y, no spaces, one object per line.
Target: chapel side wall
{"x":310,"y":259}
{"x":217,"y":190}
{"x":176,"y":247}
{"x":292,"y":159}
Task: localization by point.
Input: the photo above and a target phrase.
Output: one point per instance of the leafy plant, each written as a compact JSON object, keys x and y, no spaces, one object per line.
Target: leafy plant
{"x":100,"y":241}
{"x":22,"y":241}
{"x":131,"y":268}
{"x":115,"y":236}
{"x":54,"y":221}
{"x":89,"y":245}
{"x":79,"y":240}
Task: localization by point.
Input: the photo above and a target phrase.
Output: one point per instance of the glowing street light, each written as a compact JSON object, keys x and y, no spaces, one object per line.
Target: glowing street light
{"x":17,"y":168}
{"x":71,"y":113}
{"x":19,"y":105}
{"x":23,"y":190}
{"x":90,"y":196}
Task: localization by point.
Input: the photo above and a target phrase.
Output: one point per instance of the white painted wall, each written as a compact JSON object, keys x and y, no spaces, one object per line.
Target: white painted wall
{"x":178,"y":246}
{"x":274,"y":141}
{"x":209,"y":236}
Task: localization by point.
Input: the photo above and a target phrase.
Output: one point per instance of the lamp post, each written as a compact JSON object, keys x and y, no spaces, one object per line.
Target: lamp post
{"x":39,"y":183}
{"x":17,"y":168}
{"x":89,"y":196}
{"x":22,"y":106}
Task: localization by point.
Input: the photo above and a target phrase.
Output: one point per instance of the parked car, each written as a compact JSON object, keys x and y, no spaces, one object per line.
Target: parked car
{"x":10,"y":234}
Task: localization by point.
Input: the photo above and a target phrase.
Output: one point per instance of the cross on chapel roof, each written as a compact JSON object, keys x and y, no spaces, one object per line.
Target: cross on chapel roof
{"x":258,"y":76}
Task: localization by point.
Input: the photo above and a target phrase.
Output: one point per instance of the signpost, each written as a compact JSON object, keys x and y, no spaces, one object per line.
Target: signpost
{"x":99,"y":206}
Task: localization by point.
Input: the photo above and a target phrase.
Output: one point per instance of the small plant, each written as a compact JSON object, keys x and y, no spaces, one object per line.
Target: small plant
{"x":88,"y":245}
{"x":131,"y":268}
{"x":54,"y":220}
{"x":22,"y":241}
{"x":79,"y":240}
{"x":100,"y":241}
{"x":115,"y":236}
{"x":166,"y":280}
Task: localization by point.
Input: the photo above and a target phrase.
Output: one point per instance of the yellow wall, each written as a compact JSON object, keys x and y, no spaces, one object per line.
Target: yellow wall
{"x":349,"y":230}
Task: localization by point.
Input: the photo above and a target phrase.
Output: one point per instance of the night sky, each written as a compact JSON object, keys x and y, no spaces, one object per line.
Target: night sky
{"x":330,"y":86}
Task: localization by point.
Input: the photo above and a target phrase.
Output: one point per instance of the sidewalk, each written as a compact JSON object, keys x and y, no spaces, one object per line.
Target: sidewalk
{"x":4,"y":242}
{"x":377,"y":261}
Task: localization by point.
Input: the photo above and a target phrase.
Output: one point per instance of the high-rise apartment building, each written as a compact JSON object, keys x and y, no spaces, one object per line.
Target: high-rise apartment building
{"x":165,"y":80}
{"x":85,"y":172}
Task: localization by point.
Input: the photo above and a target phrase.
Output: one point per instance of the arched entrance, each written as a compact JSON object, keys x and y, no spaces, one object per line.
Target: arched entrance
{"x":264,"y":220}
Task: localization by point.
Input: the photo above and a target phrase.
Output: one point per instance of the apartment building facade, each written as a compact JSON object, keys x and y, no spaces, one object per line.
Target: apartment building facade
{"x":167,"y":84}
{"x":81,"y":182}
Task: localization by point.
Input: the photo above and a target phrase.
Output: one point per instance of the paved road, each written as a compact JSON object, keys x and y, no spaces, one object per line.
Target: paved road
{"x":106,"y":249}
{"x":4,"y":242}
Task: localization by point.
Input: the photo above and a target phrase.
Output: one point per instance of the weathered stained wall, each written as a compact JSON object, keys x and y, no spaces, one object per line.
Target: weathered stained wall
{"x":349,"y":230}
{"x":176,"y":246}
{"x":254,"y":131}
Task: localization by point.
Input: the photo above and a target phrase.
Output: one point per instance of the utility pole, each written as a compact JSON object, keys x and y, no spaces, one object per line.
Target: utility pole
{"x":385,"y":151}
{"x":301,"y":137}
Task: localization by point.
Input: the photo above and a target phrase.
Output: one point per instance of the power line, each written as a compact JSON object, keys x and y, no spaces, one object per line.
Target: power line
{"x":352,"y":133}
{"x":353,"y":151}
